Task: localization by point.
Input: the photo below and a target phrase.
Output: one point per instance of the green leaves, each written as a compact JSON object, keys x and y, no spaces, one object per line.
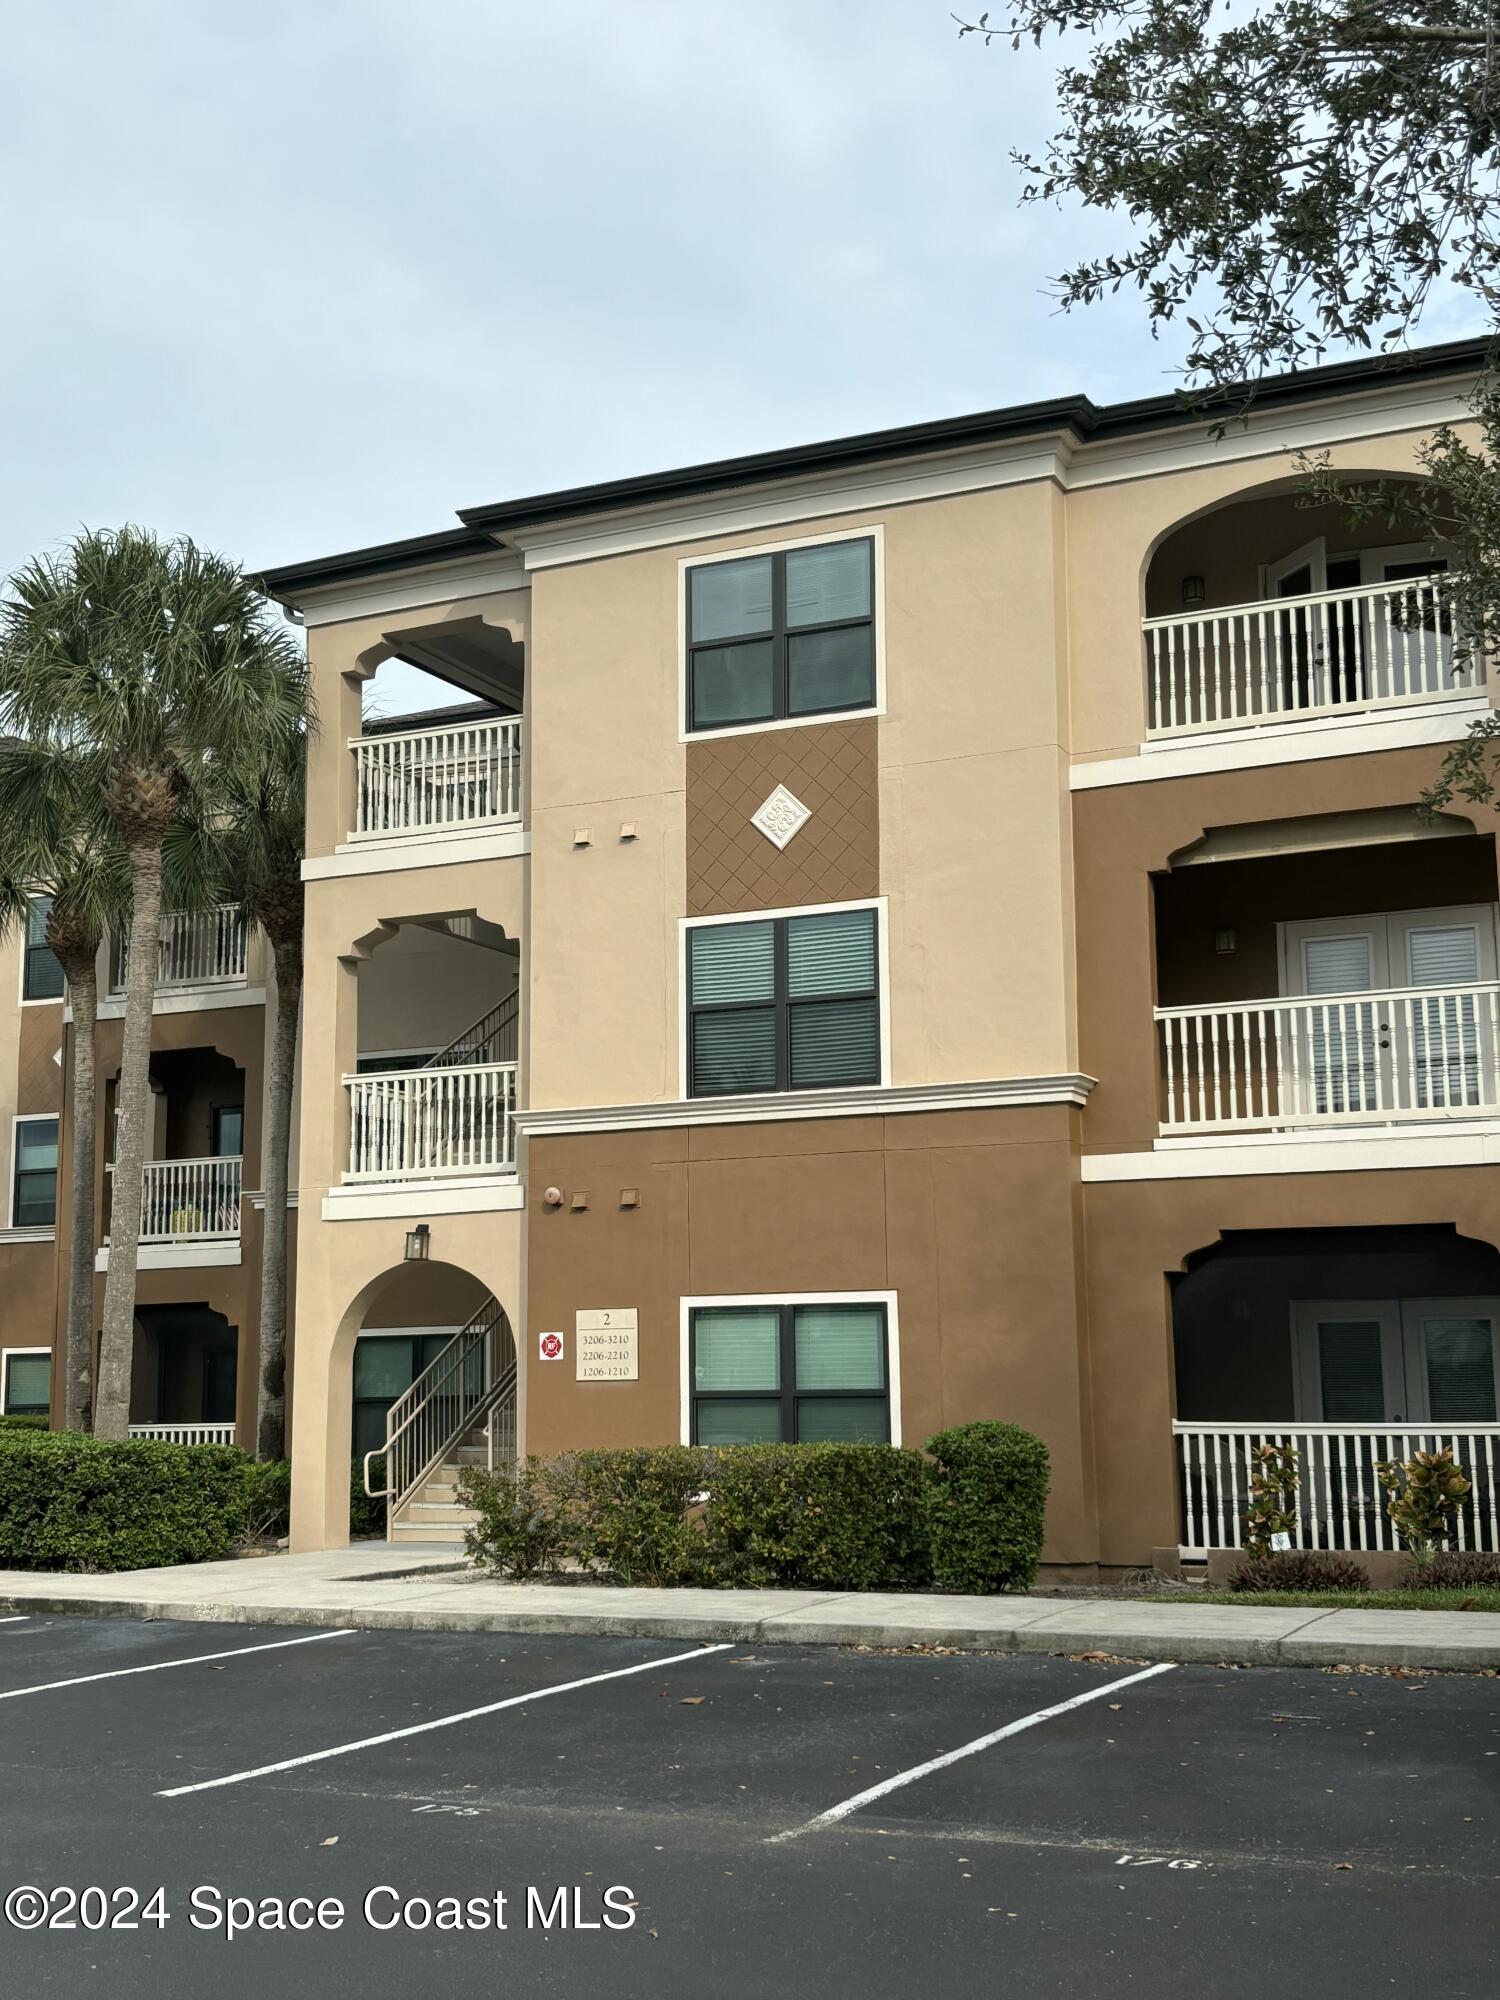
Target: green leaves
{"x":815,"y":1516}
{"x":1301,"y":171}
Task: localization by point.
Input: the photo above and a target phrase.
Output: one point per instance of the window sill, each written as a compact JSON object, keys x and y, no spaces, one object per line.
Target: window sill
{"x":782,"y":722}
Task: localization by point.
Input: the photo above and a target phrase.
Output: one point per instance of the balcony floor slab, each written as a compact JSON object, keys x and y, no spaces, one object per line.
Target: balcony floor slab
{"x":215,"y":1253}
{"x":366,"y":1201}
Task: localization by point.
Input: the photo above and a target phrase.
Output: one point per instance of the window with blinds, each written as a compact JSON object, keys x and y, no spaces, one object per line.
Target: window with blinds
{"x":776,"y":636}
{"x":790,"y":1374}
{"x":785,"y":1003}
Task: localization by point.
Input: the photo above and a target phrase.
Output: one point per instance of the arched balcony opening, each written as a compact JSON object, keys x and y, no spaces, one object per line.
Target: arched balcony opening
{"x":1265,"y":612}
{"x":434,"y":1090}
{"x":1350,"y":1347}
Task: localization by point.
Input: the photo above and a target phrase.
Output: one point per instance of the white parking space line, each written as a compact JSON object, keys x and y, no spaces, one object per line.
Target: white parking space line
{"x":843,"y":1810}
{"x":21,"y":1619}
{"x":161,"y":1666}
{"x":441,"y":1722}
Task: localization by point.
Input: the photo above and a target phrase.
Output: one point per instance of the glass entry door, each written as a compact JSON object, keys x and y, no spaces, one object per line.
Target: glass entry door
{"x":1397,"y":1361}
{"x":1427,"y":1041}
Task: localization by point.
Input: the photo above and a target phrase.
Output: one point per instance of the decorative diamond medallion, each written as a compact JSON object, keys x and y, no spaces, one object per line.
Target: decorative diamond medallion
{"x":782,"y":817}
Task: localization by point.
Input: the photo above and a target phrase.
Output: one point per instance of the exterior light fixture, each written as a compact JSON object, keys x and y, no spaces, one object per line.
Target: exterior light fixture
{"x":1226,"y":942}
{"x":416,"y":1244}
{"x":1193,"y":591}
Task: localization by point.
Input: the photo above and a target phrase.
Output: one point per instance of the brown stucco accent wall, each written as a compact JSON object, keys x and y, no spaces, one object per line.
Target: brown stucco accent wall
{"x":971,"y":1218}
{"x":1252,"y":897}
{"x":1140,"y":1232}
{"x":835,"y":858}
{"x":1122,"y":835}
{"x":38,"y":1076}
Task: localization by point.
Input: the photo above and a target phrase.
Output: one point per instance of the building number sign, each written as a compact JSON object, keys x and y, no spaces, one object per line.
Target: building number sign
{"x":608,"y":1344}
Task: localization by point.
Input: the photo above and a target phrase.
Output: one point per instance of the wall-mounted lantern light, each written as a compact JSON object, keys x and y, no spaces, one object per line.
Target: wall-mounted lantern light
{"x":416,"y":1244}
{"x":1225,"y":942}
{"x":1193,"y":591}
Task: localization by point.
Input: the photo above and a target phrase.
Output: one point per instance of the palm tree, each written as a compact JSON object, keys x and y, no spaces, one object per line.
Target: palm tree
{"x":56,"y":841}
{"x":157,"y":665}
{"x":259,"y":810}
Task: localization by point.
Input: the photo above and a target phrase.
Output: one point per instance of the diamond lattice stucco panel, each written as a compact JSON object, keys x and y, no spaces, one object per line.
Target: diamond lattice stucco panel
{"x":38,"y":1075}
{"x":831,"y":768}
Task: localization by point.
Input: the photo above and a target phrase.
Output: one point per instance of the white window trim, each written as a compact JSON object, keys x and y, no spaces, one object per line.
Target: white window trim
{"x":870,"y":1298}
{"x":5,"y":1358}
{"x":59,"y":999}
{"x":879,"y":904}
{"x":875,"y":535}
{"x":28,"y":1118}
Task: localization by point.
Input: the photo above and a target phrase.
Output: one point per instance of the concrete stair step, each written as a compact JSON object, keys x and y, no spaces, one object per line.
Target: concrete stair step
{"x":427,"y":1531}
{"x":438,"y":1510}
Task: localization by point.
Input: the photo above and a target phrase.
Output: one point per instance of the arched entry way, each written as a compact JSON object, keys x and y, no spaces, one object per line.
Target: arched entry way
{"x":1351,"y":1345}
{"x":432,"y":1387}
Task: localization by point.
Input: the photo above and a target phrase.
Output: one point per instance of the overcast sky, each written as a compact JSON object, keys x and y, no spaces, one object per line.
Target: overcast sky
{"x":297,"y":275}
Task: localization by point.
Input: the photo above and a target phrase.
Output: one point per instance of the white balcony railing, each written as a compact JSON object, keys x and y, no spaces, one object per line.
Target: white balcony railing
{"x":422,"y":1124}
{"x":437,"y":780}
{"x":197,"y":948}
{"x":191,"y":1201}
{"x":1339,"y":1504}
{"x":1337,"y":1059}
{"x":1284,"y":658}
{"x":185,"y":1433}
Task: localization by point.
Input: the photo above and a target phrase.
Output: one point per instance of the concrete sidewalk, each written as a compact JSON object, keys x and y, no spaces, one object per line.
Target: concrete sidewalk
{"x":419,"y":1589}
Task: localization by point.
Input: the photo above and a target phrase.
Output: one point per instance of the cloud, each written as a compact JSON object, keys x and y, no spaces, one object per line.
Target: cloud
{"x":294,"y":278}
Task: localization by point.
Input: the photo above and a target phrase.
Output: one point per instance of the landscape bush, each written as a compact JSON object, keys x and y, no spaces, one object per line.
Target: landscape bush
{"x":968,"y":1516}
{"x":1298,"y":1569}
{"x":986,"y":1506}
{"x":70,"y":1502}
{"x":1455,"y":1569}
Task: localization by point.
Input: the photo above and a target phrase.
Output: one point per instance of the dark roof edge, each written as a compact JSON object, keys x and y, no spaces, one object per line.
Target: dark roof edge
{"x":1086,"y":420}
{"x":415,"y":552}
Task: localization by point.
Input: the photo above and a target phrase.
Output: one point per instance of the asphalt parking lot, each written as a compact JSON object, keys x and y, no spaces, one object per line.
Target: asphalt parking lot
{"x":1188,"y":1831}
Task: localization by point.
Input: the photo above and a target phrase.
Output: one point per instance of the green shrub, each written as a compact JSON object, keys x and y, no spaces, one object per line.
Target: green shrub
{"x":70,"y":1502}
{"x":1298,"y":1569}
{"x":814,"y":1516}
{"x":1455,"y":1569}
{"x":986,"y":1507}
{"x":628,"y":1512}
{"x":1422,"y":1497}
{"x":268,"y":1499}
{"x":366,"y":1516}
{"x":521,"y":1532}
{"x":37,"y":1423}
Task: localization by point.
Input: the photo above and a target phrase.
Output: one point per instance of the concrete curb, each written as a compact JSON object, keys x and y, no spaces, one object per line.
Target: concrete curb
{"x":1317,"y":1638}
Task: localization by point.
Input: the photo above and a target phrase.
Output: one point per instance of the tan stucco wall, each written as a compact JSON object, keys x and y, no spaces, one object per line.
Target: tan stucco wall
{"x":974,"y":833}
{"x":1113,"y":530}
{"x":355,"y":1277}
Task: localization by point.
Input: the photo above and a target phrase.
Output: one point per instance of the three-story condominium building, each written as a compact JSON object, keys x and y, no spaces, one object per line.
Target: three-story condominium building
{"x":193,"y":1377}
{"x":921,"y":927}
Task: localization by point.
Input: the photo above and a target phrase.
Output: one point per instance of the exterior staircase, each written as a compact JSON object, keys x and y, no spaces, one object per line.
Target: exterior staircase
{"x":460,"y":1411}
{"x":434,"y":1512}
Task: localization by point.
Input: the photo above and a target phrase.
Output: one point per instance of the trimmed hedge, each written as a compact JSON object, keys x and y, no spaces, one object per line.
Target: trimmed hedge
{"x":73,"y":1502}
{"x":815,"y":1516}
{"x":986,"y":1507}
{"x":70,"y":1502}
